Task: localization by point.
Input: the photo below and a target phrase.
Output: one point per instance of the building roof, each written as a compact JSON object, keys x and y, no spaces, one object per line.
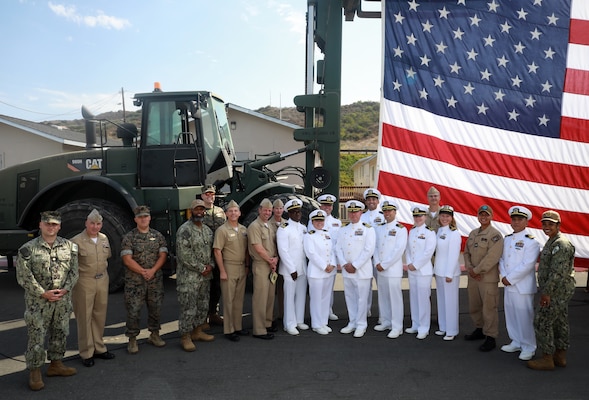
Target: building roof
{"x":365,"y":160}
{"x":63,"y":136}
{"x":262,"y":116}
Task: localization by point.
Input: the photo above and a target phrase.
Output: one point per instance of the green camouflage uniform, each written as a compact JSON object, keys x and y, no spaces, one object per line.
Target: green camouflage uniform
{"x":194,"y":248}
{"x":145,"y":249}
{"x":556,"y":278}
{"x":39,"y":268}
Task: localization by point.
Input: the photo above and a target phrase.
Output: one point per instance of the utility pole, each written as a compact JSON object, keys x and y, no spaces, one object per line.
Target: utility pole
{"x":123,"y":96}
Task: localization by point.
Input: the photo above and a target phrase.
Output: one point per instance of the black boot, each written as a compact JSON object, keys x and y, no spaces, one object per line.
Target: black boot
{"x":488,"y":345}
{"x":477,"y":334}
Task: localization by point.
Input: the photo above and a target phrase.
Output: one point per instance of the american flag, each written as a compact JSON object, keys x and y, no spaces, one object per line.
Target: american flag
{"x":489,"y":102}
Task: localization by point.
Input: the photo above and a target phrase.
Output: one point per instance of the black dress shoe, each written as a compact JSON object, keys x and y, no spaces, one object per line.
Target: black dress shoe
{"x":272,"y":329}
{"x":477,"y":334}
{"x":267,"y":336}
{"x":107,"y":355}
{"x":488,"y":345}
{"x":234,"y":337}
{"x":88,"y":362}
{"x":243,"y":332}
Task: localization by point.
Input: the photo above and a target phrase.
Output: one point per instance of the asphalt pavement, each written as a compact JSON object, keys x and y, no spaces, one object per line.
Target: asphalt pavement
{"x":308,"y":366}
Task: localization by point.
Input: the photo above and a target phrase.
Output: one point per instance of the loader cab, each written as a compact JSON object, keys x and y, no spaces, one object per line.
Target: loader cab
{"x":185,"y":139}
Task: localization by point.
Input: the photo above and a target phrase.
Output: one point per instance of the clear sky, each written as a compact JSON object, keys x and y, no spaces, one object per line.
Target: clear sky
{"x":58,"y":55}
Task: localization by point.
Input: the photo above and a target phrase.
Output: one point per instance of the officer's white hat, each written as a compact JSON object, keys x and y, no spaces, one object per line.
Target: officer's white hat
{"x":520,"y":211}
{"x":293,"y":204}
{"x":371,"y":192}
{"x":388,"y":205}
{"x":354,"y":205}
{"x":317,"y":215}
{"x":418,"y":211}
{"x":326,"y":199}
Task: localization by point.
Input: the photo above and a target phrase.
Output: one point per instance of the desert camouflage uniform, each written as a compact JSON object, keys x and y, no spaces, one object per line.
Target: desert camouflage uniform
{"x":555,"y":279}
{"x":39,"y":268}
{"x":145,"y":249}
{"x":194,"y":248}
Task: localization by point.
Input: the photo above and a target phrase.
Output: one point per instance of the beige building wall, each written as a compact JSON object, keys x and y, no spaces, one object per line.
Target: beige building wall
{"x":365,"y":171}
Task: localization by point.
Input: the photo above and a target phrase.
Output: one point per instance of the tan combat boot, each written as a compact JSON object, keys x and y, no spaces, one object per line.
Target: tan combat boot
{"x":155,"y":339}
{"x":560,"y":358}
{"x":56,"y":368}
{"x":546,"y":363}
{"x":132,"y":347}
{"x":186,"y":343}
{"x":199,"y":334}
{"x":35,"y":380}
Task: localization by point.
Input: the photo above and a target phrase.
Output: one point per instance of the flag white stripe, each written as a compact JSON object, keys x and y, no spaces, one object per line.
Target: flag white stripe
{"x":575,"y":105}
{"x":579,"y":9}
{"x":487,"y":138}
{"x":486,"y":185}
{"x":578,"y":57}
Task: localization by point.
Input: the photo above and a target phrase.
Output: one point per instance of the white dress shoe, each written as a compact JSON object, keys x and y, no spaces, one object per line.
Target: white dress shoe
{"x":382,"y":328}
{"x":327,"y":328}
{"x":394,"y":334}
{"x":410,"y":330}
{"x":321,"y":331}
{"x":440,"y":333}
{"x":448,"y":338}
{"x":359,"y":333}
{"x":347,"y":329}
{"x":333,"y":317}
{"x":421,"y":336}
{"x":510,"y":348}
{"x":303,"y":327}
{"x":526,"y":355}
{"x":291,"y":331}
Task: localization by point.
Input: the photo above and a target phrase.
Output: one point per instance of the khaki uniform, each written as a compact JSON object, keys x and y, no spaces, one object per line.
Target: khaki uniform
{"x":145,"y":249}
{"x":264,"y":291}
{"x":194,"y":251}
{"x":39,"y":268}
{"x":233,"y":246}
{"x":90,"y":295}
{"x":214,"y":217}
{"x":482,"y":253}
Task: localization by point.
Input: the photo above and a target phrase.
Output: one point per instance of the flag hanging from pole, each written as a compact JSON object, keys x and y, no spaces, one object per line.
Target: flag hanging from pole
{"x":488,"y":101}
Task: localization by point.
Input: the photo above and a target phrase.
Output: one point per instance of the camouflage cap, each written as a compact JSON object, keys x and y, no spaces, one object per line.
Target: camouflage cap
{"x":551,"y":216}
{"x":142,"y":211}
{"x":197,"y":203}
{"x":210,"y":189}
{"x":94,"y":216}
{"x":51,"y":217}
{"x":232,"y":204}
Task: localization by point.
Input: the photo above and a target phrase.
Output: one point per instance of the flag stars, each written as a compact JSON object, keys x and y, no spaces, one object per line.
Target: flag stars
{"x":427,"y":27}
{"x":546,"y":86}
{"x":452,"y":102}
{"x":516,"y":81}
{"x":502,"y":62}
{"x":423,"y":94}
{"x":489,"y":41}
{"x":499,"y":95}
{"x":543,"y":120}
{"x":537,"y":2}
{"x":463,"y":2}
{"x":458,"y":33}
{"x":398,"y":52}
{"x":441,"y":47}
{"x":411,"y":39}
{"x":399,"y":18}
{"x":549,"y":53}
{"x":530,"y":101}
{"x":535,"y":34}
{"x":413,"y":5}
{"x":505,"y":27}
{"x":439,"y":81}
{"x":493,"y":6}
{"x":519,"y":48}
{"x":455,"y":68}
{"x":474,"y":21}
{"x":425,"y":60}
{"x":472,"y":55}
{"x":468,"y":89}
{"x":532,"y":68}
{"x":397,"y":85}
{"x":444,"y":13}
{"x":552,"y":19}
{"x":482,"y":109}
{"x":513,"y":115}
{"x":485,"y":75}
{"x":410,"y":73}
{"x":521,"y":14}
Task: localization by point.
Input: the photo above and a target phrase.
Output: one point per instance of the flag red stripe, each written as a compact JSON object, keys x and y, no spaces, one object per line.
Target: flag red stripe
{"x":478,"y":159}
{"x":574,"y":129}
{"x":576,"y":81}
{"x":579,"y":31}
{"x":402,"y":187}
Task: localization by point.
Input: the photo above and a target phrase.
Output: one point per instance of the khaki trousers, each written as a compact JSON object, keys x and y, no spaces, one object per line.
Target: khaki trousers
{"x":90,"y":301}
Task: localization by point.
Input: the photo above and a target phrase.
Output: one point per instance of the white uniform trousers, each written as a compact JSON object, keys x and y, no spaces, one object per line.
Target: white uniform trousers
{"x":369,"y":305}
{"x":390,"y":302}
{"x":331,"y":285}
{"x":448,"y":311}
{"x":295,"y":297}
{"x":420,"y":289}
{"x":519,"y":318}
{"x":356,"y":293}
{"x":320,"y":290}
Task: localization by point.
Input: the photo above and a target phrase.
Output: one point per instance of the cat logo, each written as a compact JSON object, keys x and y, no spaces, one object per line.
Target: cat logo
{"x":93,"y":163}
